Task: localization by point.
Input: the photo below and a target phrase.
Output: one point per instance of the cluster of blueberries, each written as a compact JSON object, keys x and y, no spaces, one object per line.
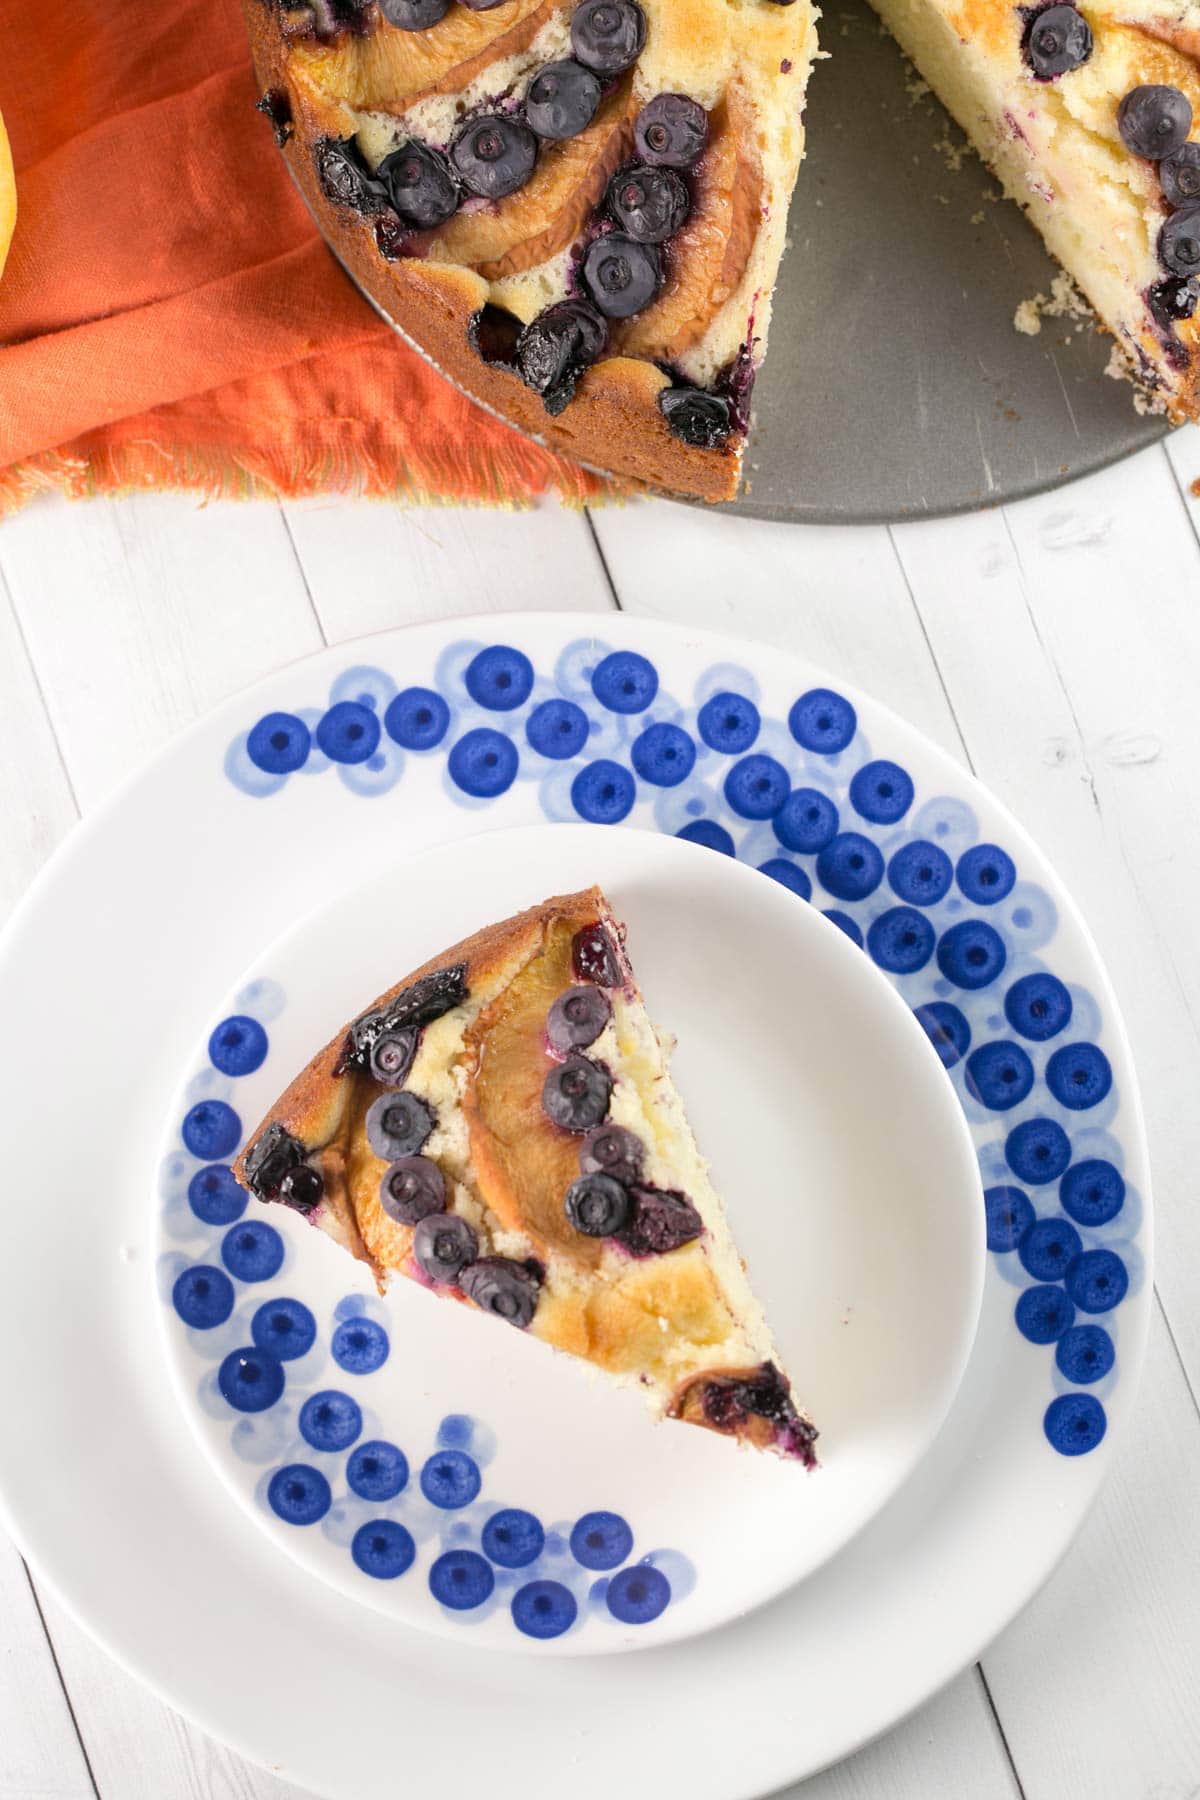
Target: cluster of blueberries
{"x":494,"y":153}
{"x":611,"y":1197}
{"x":1154,"y":122}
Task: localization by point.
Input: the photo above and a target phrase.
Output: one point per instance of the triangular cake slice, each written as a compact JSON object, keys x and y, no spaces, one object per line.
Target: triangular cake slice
{"x":502,"y":1128}
{"x":1090,"y":116}
{"x":576,"y":208}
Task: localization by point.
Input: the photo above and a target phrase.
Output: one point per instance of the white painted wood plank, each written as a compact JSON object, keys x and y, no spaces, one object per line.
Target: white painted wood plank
{"x":950,"y":1750}
{"x":36,"y":806}
{"x":370,"y":566}
{"x":142,"y":613}
{"x":140,"y":1749}
{"x":837,"y":596}
{"x":1068,"y":633}
{"x":40,"y":1755}
{"x":1097,"y":1682}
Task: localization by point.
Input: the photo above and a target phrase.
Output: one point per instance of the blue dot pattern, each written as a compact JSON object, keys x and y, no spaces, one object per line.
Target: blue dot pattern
{"x":638,"y":1595}
{"x":500,"y":678}
{"x":330,"y":1420}
{"x":285,"y":1327}
{"x":461,"y":1579}
{"x":237,"y":1046}
{"x":377,"y":1470}
{"x":544,"y":1609}
{"x":450,"y":1479}
{"x":360,"y":1346}
{"x":383,"y":1548}
{"x":215,"y":1196}
{"x":298,"y":1494}
{"x":252,"y":1250}
{"x":601,"y":1540}
{"x":203,"y":1297}
{"x":417,"y":719}
{"x":513,"y":1538}
{"x":856,"y":836}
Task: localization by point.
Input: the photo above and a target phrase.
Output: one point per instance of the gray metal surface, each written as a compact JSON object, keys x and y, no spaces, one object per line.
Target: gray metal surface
{"x":895,"y":386}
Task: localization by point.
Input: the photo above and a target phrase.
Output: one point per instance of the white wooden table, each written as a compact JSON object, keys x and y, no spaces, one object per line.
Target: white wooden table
{"x":1054,"y":647}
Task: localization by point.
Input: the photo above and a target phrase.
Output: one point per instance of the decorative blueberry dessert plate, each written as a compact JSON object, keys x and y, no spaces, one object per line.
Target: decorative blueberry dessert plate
{"x":151,"y":924}
{"x":383,"y":1442}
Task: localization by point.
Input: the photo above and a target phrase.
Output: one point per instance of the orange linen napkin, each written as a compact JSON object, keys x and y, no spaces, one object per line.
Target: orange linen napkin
{"x":169,"y":316}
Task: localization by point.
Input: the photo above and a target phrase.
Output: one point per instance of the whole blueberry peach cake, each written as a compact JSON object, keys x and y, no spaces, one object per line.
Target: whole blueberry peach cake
{"x":577,"y":208}
{"x":501,"y":1127}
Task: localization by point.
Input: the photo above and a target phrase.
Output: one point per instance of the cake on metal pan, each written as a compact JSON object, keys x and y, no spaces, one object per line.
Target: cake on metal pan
{"x":576,"y":208}
{"x":501,"y":1127}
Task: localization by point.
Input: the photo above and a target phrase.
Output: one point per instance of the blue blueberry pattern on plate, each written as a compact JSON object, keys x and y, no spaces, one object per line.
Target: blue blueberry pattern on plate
{"x":428,"y":1518}
{"x":804,"y":798}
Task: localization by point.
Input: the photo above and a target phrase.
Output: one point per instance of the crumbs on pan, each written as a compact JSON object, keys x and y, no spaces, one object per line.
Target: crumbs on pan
{"x":1146,"y":402}
{"x":1064,"y":301}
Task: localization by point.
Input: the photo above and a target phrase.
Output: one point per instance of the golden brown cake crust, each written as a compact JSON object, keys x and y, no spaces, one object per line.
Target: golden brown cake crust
{"x":612,"y":425}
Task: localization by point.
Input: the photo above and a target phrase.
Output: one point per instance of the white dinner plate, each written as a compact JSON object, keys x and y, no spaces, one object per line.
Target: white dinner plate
{"x":334,"y":774}
{"x":391,"y":1446}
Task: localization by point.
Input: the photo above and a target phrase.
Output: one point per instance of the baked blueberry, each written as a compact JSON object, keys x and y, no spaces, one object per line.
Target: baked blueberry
{"x":555,"y":347}
{"x":649,"y":205}
{"x":269,"y":1159}
{"x":275,"y":106}
{"x":414,"y":15}
{"x":1057,"y":41}
{"x":1179,"y":175}
{"x":696,"y":417}
{"x":1179,"y":242}
{"x":621,"y":275}
{"x":412,"y":1188}
{"x":345,"y":178}
{"x":561,"y":100}
{"x":611,"y":1150}
{"x":575,"y":1095}
{"x":443,"y":1244}
{"x":493,"y":334}
{"x":672,"y":130}
{"x":577,"y":1018}
{"x":420,"y":185}
{"x":392,"y":1057}
{"x":607,"y":35}
{"x":593,"y":957}
{"x":662,"y":1220}
{"x":493,"y":155}
{"x":419,"y":1004}
{"x":498,"y":1285}
{"x":302,"y":1187}
{"x":1154,"y":120}
{"x":1173,"y":299}
{"x":597,"y":1205}
{"x":398,"y":1124}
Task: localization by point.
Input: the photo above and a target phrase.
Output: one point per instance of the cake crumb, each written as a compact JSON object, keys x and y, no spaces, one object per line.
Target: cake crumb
{"x":1194,"y":488}
{"x":1064,"y":301}
{"x":1146,"y":402}
{"x":977,"y":218}
{"x":951,"y":153}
